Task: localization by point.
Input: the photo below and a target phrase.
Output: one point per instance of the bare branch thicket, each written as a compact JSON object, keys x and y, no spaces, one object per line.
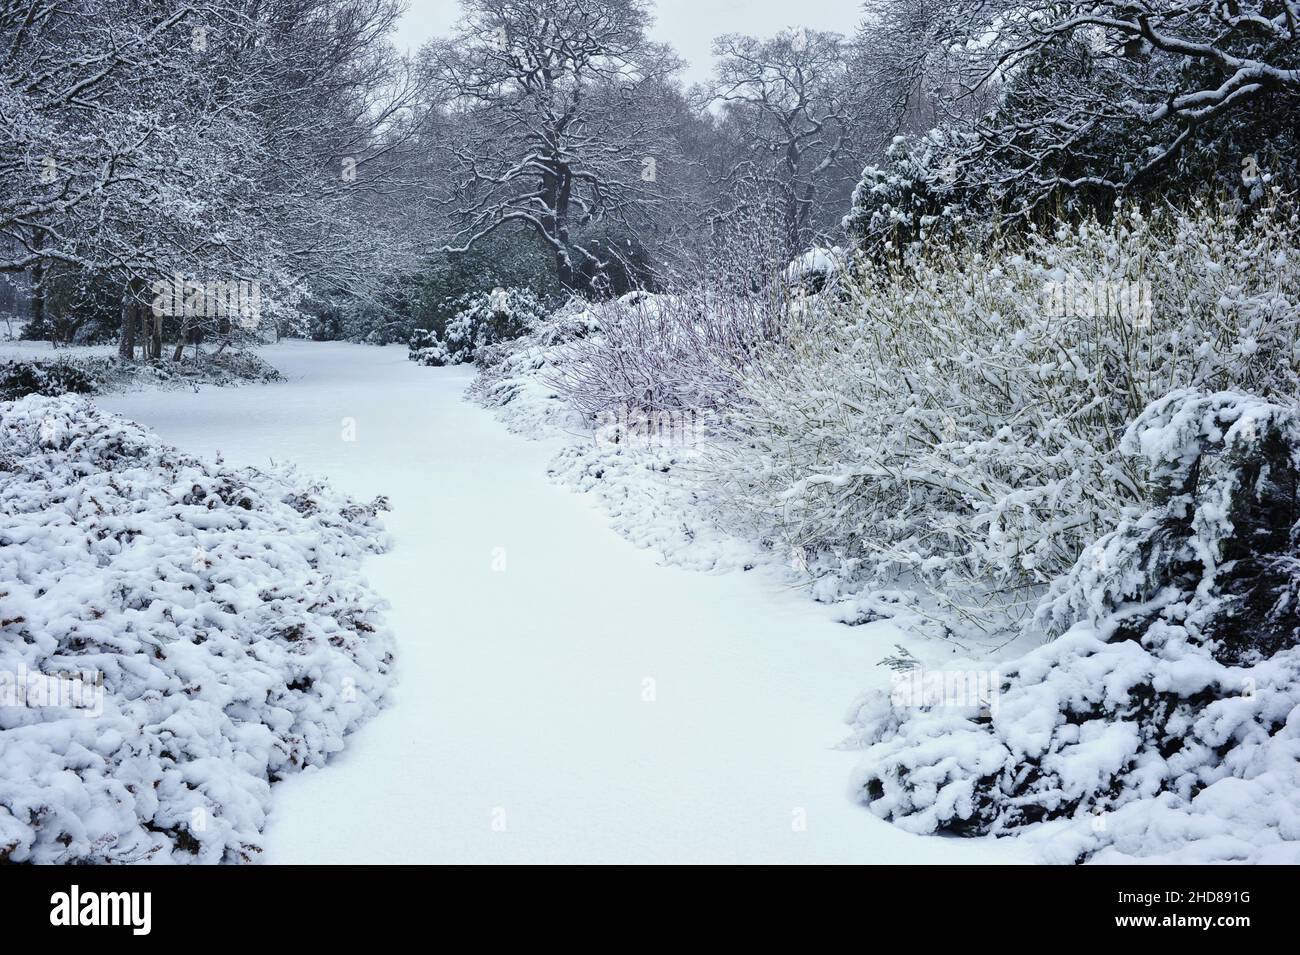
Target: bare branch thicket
{"x":796,"y":130}
{"x":561,"y":118}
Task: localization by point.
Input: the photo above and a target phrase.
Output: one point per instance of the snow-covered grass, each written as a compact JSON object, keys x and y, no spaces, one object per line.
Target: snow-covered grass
{"x":217,"y":613}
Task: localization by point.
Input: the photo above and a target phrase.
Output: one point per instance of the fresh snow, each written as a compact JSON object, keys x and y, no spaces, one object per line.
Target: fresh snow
{"x":560,"y":696}
{"x":177,"y":634}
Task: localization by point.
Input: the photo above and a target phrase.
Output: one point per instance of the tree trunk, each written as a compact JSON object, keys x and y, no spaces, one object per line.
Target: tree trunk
{"x":557,"y":187}
{"x":126,"y":338}
{"x":155,"y":338}
{"x":181,"y":337}
{"x":38,"y":287}
{"x":564,"y":269}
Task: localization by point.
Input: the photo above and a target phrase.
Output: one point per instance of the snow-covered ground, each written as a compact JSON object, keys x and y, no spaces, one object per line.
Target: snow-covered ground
{"x":25,"y":350}
{"x":561,"y":697}
{"x":198,"y":630}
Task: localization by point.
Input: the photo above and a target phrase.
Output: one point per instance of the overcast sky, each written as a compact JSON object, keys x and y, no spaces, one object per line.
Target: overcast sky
{"x":689,"y":25}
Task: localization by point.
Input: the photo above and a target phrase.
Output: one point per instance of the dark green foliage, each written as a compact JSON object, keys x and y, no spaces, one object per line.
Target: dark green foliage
{"x":21,"y":378}
{"x":479,"y":322}
{"x":426,"y":348}
{"x":429,"y":299}
{"x":1088,"y":115}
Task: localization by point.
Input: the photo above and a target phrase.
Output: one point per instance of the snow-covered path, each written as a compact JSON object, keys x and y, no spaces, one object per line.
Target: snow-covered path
{"x":580,"y":704}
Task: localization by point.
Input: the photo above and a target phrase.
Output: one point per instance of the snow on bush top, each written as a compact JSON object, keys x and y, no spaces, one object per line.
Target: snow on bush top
{"x":481,"y":321}
{"x":223,"y":612}
{"x":520,"y":372}
{"x":1213,"y":466}
{"x":1164,"y":723}
{"x":816,"y":268}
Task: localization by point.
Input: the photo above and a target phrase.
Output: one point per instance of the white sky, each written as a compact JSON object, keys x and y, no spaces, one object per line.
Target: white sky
{"x":689,"y":25}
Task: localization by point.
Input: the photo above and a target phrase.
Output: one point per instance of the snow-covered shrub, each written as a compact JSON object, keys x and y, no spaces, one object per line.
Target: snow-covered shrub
{"x":218,"y":611}
{"x":221,"y":368}
{"x":816,"y":270}
{"x":225,"y":368}
{"x":480,"y":321}
{"x":98,"y":374}
{"x":21,"y":378}
{"x":667,"y":353}
{"x":915,"y":194}
{"x":521,"y":372}
{"x":428,"y":348}
{"x":1165,"y":719}
{"x":958,"y":419}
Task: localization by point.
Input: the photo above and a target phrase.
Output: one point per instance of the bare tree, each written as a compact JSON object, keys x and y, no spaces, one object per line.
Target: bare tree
{"x":797,"y":118}
{"x":915,"y":70}
{"x":70,"y":133}
{"x":558,"y":109}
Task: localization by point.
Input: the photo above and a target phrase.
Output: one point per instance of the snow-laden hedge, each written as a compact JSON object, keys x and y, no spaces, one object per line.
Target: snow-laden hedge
{"x":222,"y":610}
{"x":84,"y":374}
{"x":1164,"y":722}
{"x":520,"y":374}
{"x":958,"y":421}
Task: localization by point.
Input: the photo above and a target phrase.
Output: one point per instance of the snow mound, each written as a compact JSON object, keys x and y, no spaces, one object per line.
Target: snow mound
{"x":518,"y":376}
{"x":1163,"y":723}
{"x":646,"y":484}
{"x":520,"y":384}
{"x":817,"y":268}
{"x":639,"y":466}
{"x":215,"y":615}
